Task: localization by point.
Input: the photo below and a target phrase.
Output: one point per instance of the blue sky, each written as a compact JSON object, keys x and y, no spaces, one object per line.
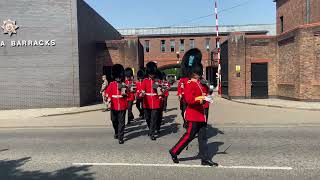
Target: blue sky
{"x":162,"y":13}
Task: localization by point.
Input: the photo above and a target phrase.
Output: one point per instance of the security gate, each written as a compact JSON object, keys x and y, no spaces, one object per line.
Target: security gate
{"x":259,"y":80}
{"x":224,"y":70}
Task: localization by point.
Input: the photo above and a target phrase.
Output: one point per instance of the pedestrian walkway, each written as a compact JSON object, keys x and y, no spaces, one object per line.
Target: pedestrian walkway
{"x":44,"y":112}
{"x":280,"y":103}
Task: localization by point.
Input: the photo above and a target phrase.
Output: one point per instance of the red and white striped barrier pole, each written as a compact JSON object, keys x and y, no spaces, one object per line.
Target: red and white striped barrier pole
{"x":219,"y":50}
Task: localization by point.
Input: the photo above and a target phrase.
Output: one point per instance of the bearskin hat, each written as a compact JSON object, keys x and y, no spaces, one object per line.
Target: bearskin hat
{"x":197,"y":68}
{"x":190,"y":58}
{"x":140,"y":74}
{"x":117,"y":71}
{"x":159,"y":75}
{"x":151,"y":68}
{"x":128,"y":72}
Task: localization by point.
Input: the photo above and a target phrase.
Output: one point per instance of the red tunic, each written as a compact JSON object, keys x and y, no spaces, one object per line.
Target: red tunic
{"x":194,"y":111}
{"x":166,"y":93}
{"x":138,"y":92}
{"x":151,"y":99}
{"x":206,"y":93}
{"x":130,"y":94}
{"x":118,"y":102}
{"x":181,"y":85}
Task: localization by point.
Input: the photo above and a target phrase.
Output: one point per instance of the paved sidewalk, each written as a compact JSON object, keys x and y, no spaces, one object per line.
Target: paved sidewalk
{"x":45,"y":112}
{"x":280,"y":103}
{"x":223,"y":113}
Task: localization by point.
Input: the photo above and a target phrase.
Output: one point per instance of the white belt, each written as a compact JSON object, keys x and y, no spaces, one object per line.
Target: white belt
{"x":117,"y":96}
{"x":151,"y":94}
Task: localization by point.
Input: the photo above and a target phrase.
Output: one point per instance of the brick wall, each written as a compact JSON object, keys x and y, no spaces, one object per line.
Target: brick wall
{"x":236,"y":57}
{"x":293,"y":63}
{"x":261,"y":49}
{"x":295,"y":13}
{"x":126,"y":52}
{"x":170,"y":58}
{"x":91,"y":29}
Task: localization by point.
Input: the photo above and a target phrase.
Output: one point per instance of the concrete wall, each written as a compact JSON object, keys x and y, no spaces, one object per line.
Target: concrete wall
{"x":92,"y":28}
{"x":42,"y":76}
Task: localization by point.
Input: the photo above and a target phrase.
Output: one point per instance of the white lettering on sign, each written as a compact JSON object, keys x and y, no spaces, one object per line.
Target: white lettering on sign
{"x":26,"y":43}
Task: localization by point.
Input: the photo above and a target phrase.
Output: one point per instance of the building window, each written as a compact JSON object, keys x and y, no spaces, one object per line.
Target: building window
{"x":172,"y":45}
{"x":207,"y":45}
{"x":281,"y":24}
{"x":163,"y":46}
{"x":181,"y":45}
{"x":147,"y":46}
{"x":192,"y":43}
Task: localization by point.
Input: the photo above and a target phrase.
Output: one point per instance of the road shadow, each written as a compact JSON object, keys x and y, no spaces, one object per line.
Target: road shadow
{"x":169,"y":129}
{"x":11,"y":169}
{"x":137,"y":130}
{"x":213,"y":149}
{"x":171,"y":109}
{"x":212,"y":131}
{"x":2,"y":150}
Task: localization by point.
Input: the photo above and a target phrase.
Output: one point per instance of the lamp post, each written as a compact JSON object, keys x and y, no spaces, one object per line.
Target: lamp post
{"x":210,"y":65}
{"x":178,"y":57}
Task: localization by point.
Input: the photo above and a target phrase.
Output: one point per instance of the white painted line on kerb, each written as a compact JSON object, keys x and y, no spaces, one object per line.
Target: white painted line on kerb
{"x":184,"y":165}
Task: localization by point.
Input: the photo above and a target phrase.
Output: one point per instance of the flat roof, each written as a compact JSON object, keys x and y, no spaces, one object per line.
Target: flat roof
{"x":269,"y":29}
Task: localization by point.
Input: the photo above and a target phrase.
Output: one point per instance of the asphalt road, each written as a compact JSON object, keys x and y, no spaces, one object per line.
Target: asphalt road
{"x":61,"y":153}
{"x":249,"y":142}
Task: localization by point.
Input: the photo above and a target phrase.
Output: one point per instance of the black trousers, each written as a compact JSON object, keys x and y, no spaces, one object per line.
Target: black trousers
{"x":130,"y":114}
{"x":206,"y":111}
{"x":152,"y":117}
{"x":118,"y":122}
{"x":159,"y":120}
{"x":139,"y":107}
{"x":183,"y":107}
{"x":194,"y":128}
{"x":165,"y":103}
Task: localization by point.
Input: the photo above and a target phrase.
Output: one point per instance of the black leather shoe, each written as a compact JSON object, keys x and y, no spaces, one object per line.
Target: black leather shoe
{"x":153,"y":138}
{"x":121,"y":141}
{"x":174,"y":157}
{"x":115,"y":136}
{"x":208,"y":163}
{"x":185,"y":125}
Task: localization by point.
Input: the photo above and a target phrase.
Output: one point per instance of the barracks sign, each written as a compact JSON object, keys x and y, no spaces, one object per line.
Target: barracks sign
{"x":10,"y":27}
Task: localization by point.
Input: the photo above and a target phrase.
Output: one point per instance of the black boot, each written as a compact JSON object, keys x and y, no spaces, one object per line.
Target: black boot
{"x":121,"y":141}
{"x":174,"y":157}
{"x":208,"y":163}
{"x":153,"y":137}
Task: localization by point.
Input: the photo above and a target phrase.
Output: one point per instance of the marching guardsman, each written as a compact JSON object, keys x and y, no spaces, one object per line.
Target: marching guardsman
{"x":183,"y":104}
{"x":196,"y":53}
{"x":196,"y":119}
{"x":208,"y":91}
{"x":167,"y":86}
{"x":117,"y":100}
{"x":194,"y":113}
{"x":139,"y":99}
{"x":151,"y":101}
{"x":131,"y":92}
{"x":159,"y":78}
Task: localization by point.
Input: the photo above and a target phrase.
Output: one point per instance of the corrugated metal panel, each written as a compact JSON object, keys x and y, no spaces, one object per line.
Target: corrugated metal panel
{"x":270,"y":28}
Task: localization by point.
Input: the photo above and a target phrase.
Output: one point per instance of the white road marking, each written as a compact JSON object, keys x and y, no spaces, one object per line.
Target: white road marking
{"x":184,"y":165}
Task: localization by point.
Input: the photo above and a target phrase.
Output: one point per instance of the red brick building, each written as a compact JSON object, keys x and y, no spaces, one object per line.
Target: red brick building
{"x":285,"y":66}
{"x":167,"y":46}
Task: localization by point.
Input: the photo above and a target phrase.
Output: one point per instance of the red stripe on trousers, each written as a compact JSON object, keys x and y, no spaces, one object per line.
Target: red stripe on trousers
{"x":184,"y":140}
